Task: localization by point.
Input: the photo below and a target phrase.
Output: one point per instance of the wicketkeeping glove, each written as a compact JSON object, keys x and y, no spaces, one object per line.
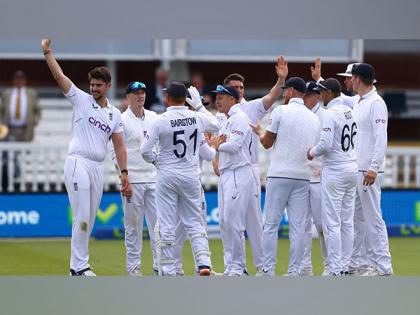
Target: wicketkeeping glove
{"x":195,"y":100}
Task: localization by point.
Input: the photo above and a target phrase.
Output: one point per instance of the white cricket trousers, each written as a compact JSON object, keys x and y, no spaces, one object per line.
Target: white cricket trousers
{"x":337,"y":199}
{"x":181,"y":235}
{"x":84,"y":184}
{"x":282,"y":193}
{"x":376,"y":232}
{"x":238,"y":196}
{"x":140,"y":205}
{"x":361,"y":250}
{"x":178,"y":196}
{"x":254,"y":224}
{"x":315,"y":216}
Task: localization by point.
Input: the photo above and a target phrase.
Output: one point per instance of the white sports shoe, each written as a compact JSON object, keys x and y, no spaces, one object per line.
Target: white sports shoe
{"x":135,"y":273}
{"x":325,"y":272}
{"x":291,"y":274}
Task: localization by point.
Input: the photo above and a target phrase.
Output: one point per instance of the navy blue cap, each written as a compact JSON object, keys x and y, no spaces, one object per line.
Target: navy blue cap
{"x":176,"y":89}
{"x":297,"y":83}
{"x":227,"y":89}
{"x":134,"y":86}
{"x":311,"y":87}
{"x":365,"y":70}
{"x":329,"y":84}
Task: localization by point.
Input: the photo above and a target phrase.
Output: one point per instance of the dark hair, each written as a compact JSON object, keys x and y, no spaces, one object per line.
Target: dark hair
{"x":100,"y":73}
{"x":177,"y":100}
{"x":233,"y":77}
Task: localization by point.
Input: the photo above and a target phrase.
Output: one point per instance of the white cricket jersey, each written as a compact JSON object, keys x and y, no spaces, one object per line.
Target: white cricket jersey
{"x":177,"y":132}
{"x":337,"y":137}
{"x":135,"y":130}
{"x":297,"y":129}
{"x":371,"y":116}
{"x":92,"y":125}
{"x":235,"y":152}
{"x":255,"y":111}
{"x":316,"y":164}
{"x":206,"y":153}
{"x":350,"y":101}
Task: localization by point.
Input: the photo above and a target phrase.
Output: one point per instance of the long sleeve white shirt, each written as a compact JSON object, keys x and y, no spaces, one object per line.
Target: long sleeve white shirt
{"x":338,"y":132}
{"x":371,"y":116}
{"x":235,"y":152}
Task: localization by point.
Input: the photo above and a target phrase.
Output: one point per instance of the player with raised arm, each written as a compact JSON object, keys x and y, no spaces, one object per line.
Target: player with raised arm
{"x":178,"y":188}
{"x":292,"y":131}
{"x":338,"y":179}
{"x":95,"y":121}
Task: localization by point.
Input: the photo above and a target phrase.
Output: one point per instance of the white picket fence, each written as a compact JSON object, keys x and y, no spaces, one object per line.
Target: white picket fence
{"x":41,"y":168}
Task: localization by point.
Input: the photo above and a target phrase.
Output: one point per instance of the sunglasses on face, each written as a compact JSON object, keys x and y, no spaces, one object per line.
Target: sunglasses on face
{"x":137,"y":85}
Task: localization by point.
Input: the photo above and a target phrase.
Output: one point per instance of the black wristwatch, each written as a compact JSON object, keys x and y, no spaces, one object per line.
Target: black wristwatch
{"x":124,"y":171}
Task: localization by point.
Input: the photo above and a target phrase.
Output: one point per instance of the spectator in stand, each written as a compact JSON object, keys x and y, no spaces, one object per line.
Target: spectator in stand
{"x":155,"y":100}
{"x":20,"y":112}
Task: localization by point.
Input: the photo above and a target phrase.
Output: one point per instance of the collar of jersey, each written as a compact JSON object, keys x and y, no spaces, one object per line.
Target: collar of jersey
{"x":370,"y":93}
{"x":234,"y":109}
{"x":316,"y":107}
{"x":177,"y":107}
{"x":99,"y":106}
{"x":335,"y":101}
{"x":134,"y":115}
{"x":296,"y":100}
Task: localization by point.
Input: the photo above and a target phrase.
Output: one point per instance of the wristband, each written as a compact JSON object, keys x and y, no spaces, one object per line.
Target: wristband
{"x":124,"y":171}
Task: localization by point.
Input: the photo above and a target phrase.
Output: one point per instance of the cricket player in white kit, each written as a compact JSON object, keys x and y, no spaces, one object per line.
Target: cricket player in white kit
{"x":238,"y":189}
{"x":371,"y":116}
{"x":312,"y":100}
{"x":338,"y":177}
{"x":292,"y":131}
{"x":136,"y":121}
{"x":256,"y":110}
{"x":206,"y":153}
{"x":178,"y":187}
{"x":95,"y":121}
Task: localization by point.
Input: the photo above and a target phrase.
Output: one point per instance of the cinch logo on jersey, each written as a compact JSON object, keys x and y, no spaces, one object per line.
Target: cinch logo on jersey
{"x":99,"y":125}
{"x":380,"y":121}
{"x":238,"y":132}
{"x":183,"y":122}
{"x":326,"y":129}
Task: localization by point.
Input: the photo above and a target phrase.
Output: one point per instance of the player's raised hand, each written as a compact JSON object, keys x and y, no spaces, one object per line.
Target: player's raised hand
{"x":370,"y":178}
{"x":46,"y":45}
{"x":195,"y":100}
{"x":281,"y":68}
{"x":316,"y":70}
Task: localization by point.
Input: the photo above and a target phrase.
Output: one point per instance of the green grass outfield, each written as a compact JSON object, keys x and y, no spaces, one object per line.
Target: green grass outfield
{"x":51,"y":257}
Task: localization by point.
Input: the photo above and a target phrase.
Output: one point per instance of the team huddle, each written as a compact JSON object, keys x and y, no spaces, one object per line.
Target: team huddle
{"x":327,"y":162}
